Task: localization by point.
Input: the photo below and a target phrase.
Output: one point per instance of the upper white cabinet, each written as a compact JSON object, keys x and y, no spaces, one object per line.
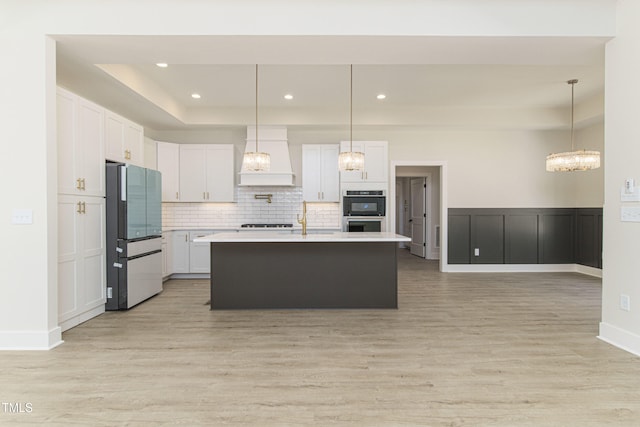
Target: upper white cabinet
{"x":168,"y":162}
{"x":80,"y":133}
{"x":124,"y":140}
{"x":376,"y":163}
{"x":320,"y":175}
{"x":206,"y":173}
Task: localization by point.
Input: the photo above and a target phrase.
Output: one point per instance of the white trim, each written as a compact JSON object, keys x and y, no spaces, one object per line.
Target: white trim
{"x":625,"y":340}
{"x":30,"y":340}
{"x":590,"y":271}
{"x":194,"y":276}
{"x":520,"y":268}
{"x":81,"y":318}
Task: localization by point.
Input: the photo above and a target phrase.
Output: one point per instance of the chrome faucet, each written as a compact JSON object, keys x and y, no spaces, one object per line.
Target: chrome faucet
{"x":303,"y":221}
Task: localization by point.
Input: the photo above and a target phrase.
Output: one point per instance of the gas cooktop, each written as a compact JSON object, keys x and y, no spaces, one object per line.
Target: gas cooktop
{"x":266,"y":225}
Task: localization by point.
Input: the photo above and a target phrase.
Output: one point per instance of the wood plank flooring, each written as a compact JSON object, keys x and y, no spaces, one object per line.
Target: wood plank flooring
{"x":462,"y":350}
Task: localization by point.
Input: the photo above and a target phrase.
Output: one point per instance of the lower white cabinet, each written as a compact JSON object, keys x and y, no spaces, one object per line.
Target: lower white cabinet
{"x":81,"y":259}
{"x":199,"y":253}
{"x":167,"y":254}
{"x":180,"y":251}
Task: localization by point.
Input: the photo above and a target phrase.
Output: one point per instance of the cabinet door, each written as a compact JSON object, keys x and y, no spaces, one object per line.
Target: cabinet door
{"x":329,"y":174}
{"x":169,"y":165}
{"x":311,"y":173}
{"x":114,"y":127}
{"x":193,"y":173}
{"x":69,"y":257}
{"x":133,"y":144}
{"x":199,"y":253}
{"x":93,"y":252}
{"x":90,"y":145}
{"x":375,"y":162}
{"x":180,"y":251}
{"x":219,"y":172}
{"x":68,"y":175}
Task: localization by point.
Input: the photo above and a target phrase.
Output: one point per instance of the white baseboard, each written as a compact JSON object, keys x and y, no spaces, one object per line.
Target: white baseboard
{"x":590,"y":271}
{"x":81,"y":318}
{"x":624,"y":340}
{"x":519,"y":268}
{"x":31,"y":340}
{"x":189,"y":276}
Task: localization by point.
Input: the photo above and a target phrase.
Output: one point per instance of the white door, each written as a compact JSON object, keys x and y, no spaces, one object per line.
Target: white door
{"x":418,"y":217}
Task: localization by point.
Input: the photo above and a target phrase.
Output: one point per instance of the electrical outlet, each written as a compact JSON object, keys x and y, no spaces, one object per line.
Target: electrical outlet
{"x":109,"y":292}
{"x":625,"y":302}
{"x":22,"y":216}
{"x":476,"y":252}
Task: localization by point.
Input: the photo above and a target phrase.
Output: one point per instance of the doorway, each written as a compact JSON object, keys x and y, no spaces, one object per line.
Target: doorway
{"x":420,"y":207}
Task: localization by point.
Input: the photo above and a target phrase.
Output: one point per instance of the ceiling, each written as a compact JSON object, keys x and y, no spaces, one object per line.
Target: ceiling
{"x":495,"y":82}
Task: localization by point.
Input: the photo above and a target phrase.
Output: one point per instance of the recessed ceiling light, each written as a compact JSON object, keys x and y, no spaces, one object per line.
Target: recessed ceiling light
{"x":381,"y":96}
{"x":288,"y":96}
{"x":195,"y":96}
{"x":162,"y":64}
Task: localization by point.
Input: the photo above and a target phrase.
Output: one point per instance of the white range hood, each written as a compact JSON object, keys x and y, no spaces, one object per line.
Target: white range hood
{"x":272,"y":140}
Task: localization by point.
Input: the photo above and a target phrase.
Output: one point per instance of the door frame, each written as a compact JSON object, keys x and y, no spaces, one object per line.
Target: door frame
{"x":444,"y":262}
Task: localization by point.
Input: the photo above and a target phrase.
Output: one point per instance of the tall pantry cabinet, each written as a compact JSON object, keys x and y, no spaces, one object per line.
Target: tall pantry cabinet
{"x":81,"y":209}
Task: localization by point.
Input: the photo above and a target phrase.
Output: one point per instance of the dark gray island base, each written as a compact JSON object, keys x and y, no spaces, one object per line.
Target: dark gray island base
{"x":303,"y":274}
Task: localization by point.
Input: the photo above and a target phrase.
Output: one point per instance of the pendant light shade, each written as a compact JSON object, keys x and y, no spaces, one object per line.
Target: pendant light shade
{"x":351,"y":160}
{"x":574,"y":160}
{"x":255,"y":160}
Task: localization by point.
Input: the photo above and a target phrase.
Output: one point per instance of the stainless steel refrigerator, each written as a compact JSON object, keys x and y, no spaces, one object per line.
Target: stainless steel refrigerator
{"x":134,"y":235}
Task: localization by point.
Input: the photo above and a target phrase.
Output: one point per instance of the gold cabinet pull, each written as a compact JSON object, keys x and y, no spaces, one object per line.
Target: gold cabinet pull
{"x":79,"y":210}
{"x":78,"y":184}
{"x":84,"y":208}
{"x":84,"y":187}
{"x":177,"y":197}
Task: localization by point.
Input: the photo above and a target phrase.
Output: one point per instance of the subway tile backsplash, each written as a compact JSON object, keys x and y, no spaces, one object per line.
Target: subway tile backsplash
{"x":286,"y":203}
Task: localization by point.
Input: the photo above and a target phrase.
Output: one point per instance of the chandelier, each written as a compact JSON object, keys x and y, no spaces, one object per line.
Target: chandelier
{"x":255,"y":160}
{"x":351,"y":160}
{"x":574,"y":160}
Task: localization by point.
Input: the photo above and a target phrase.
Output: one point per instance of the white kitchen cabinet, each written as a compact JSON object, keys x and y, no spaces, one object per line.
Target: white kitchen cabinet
{"x":320,"y":175}
{"x":81,"y":259}
{"x":80,"y":134}
{"x":168,"y":162}
{"x":206,"y":173}
{"x":167,"y":254}
{"x":376,"y":162}
{"x":180,"y":251}
{"x":124,"y":140}
{"x":199,"y":253}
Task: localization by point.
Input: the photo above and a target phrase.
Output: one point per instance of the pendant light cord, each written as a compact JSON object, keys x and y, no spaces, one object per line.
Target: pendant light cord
{"x":572,"y":83}
{"x":351,"y":107}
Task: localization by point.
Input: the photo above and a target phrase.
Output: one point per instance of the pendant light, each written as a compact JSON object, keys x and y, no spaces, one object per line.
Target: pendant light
{"x":574,"y":160}
{"x":351,"y":160}
{"x":255,"y":160}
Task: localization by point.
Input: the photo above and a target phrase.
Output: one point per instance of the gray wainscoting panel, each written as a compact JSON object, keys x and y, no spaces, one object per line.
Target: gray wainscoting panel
{"x":521,"y":238}
{"x":526,"y":236}
{"x":459,"y":238}
{"x":487,"y":237}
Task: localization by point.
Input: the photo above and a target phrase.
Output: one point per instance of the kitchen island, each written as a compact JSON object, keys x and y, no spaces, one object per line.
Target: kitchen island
{"x":281,"y":269}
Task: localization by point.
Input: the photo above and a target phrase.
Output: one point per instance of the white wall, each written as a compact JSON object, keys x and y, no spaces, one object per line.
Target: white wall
{"x":622,"y":140}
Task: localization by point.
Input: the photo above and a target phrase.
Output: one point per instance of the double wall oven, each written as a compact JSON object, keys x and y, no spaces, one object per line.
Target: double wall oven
{"x":363,"y":210}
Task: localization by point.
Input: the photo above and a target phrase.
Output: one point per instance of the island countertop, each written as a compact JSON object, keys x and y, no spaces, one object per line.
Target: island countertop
{"x":287,"y":236}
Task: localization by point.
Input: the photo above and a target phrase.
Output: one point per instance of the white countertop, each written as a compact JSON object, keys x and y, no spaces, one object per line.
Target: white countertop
{"x":287,"y":236}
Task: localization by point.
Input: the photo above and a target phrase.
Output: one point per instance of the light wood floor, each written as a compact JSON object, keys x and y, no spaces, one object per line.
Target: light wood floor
{"x":462,"y":350}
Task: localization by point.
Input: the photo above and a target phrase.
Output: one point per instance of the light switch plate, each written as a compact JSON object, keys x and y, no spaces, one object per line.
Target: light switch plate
{"x":22,"y":216}
{"x":633,"y":196}
{"x":630,"y":213}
